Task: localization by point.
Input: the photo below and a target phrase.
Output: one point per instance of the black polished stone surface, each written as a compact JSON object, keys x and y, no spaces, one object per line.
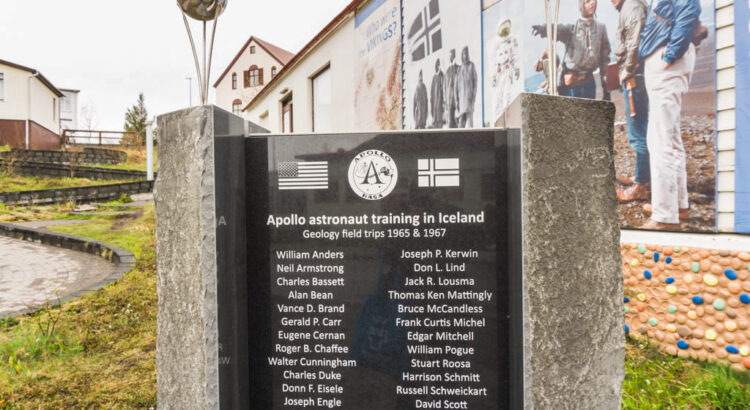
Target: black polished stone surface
{"x":345,"y":311}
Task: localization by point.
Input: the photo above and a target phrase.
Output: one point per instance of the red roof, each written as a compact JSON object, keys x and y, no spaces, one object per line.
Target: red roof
{"x":278,"y":53}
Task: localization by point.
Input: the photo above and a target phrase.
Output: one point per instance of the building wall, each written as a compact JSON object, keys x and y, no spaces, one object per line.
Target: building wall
{"x":725,"y":107}
{"x":225,"y":95}
{"x":44,"y":103}
{"x":69,"y":119}
{"x":14,"y":106}
{"x":337,"y":51}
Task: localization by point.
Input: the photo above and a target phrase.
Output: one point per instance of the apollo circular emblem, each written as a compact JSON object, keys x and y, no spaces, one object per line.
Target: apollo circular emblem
{"x":373,"y":174}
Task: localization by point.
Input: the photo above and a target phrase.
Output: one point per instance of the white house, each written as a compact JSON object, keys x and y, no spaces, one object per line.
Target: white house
{"x":319,"y":77}
{"x":69,"y":109}
{"x":29,"y":108}
{"x":252,"y":68}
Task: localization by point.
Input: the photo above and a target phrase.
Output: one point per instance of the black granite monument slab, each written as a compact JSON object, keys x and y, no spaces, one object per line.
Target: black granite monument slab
{"x":380,"y":271}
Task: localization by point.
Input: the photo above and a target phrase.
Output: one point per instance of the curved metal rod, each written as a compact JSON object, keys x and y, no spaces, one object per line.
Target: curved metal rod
{"x":204,"y":97}
{"x":554,"y":44}
{"x":550,"y":48}
{"x":192,"y":45}
{"x":211,"y":50}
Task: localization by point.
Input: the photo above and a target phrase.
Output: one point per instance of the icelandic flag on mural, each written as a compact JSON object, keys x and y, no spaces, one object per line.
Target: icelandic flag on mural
{"x":303,"y":175}
{"x":438,"y":172}
{"x":425,"y":36}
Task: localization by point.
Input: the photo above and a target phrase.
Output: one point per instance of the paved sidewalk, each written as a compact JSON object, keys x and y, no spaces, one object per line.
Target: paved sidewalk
{"x":32,"y":274}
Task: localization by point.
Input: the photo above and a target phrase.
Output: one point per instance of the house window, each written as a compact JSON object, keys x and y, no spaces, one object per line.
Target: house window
{"x":287,"y":115}
{"x":237,"y":107}
{"x":234,"y":81}
{"x":321,"y":90}
{"x":252,"y":49}
{"x":54,"y":109}
{"x":64,"y":104}
{"x":273,"y":71}
{"x":2,"y":86}
{"x":253,"y":76}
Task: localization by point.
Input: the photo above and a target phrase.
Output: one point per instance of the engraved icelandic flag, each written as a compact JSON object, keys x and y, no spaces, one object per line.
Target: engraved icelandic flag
{"x":303,"y":175}
{"x":438,"y":172}
{"x":425,"y":36}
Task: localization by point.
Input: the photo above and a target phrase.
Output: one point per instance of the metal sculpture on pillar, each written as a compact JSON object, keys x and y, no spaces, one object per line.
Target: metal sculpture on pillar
{"x":204,"y":11}
{"x":552,"y":42}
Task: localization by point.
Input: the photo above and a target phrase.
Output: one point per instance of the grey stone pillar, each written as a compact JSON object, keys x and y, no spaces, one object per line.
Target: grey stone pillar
{"x":187,"y":346}
{"x":573,"y":322}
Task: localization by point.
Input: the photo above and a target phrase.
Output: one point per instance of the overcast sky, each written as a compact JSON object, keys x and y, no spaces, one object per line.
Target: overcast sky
{"x":113,"y":49}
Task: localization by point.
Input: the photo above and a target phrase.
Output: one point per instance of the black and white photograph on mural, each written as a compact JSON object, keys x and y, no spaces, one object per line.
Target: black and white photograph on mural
{"x":442,"y":69}
{"x":656,"y":61}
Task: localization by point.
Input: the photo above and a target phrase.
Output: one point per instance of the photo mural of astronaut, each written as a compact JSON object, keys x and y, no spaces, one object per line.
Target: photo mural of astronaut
{"x":656,"y":61}
{"x":442,"y":64}
{"x":503,"y":33}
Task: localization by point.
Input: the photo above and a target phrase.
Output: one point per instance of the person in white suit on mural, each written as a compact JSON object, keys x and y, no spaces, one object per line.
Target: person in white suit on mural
{"x":505,"y":66}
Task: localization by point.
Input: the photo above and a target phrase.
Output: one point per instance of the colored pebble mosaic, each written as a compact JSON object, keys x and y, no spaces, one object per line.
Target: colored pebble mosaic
{"x":691,"y":302}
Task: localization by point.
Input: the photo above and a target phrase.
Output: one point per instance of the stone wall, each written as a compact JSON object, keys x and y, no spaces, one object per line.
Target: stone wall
{"x":43,"y":169}
{"x":89,"y":155}
{"x":694,"y":303}
{"x":80,"y":194}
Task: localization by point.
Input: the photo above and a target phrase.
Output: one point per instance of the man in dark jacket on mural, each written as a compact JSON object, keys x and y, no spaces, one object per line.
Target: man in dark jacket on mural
{"x":628,"y":38}
{"x":420,"y":104}
{"x":437,"y":105}
{"x":668,"y":56}
{"x":451,"y":100}
{"x":586,"y":50}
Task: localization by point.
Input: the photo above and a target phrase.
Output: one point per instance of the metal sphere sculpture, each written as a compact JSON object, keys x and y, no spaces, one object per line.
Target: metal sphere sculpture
{"x":203,"y":10}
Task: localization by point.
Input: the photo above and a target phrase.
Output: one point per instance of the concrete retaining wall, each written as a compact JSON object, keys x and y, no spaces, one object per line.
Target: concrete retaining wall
{"x":43,"y":169}
{"x":89,"y":155}
{"x":80,"y":194}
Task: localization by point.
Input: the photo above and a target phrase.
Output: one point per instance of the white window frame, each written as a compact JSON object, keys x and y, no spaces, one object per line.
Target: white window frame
{"x":322,"y":119}
{"x":2,"y":86}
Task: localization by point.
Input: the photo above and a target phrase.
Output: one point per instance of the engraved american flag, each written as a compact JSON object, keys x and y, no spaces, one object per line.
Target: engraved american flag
{"x":303,"y":175}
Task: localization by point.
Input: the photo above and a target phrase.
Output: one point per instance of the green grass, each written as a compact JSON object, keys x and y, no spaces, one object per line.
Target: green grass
{"x":654,"y":380}
{"x":136,"y":161}
{"x":102,"y":352}
{"x":21,"y":183}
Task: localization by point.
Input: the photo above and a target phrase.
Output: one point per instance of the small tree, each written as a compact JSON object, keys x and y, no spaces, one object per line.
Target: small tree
{"x":88,"y":115}
{"x":135,"y":122}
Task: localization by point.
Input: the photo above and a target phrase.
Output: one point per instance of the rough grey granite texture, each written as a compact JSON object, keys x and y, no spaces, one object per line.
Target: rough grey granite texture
{"x":187,"y":336}
{"x":574,"y":343}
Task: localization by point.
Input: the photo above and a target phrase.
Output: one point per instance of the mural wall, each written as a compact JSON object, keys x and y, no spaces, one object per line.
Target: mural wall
{"x":377,"y":96}
{"x":503,"y":34}
{"x":442,"y":64}
{"x":665,"y":150}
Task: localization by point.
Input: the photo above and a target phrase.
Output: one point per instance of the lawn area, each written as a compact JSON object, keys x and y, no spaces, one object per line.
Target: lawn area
{"x":21,"y":183}
{"x":102,"y":351}
{"x":654,"y":380}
